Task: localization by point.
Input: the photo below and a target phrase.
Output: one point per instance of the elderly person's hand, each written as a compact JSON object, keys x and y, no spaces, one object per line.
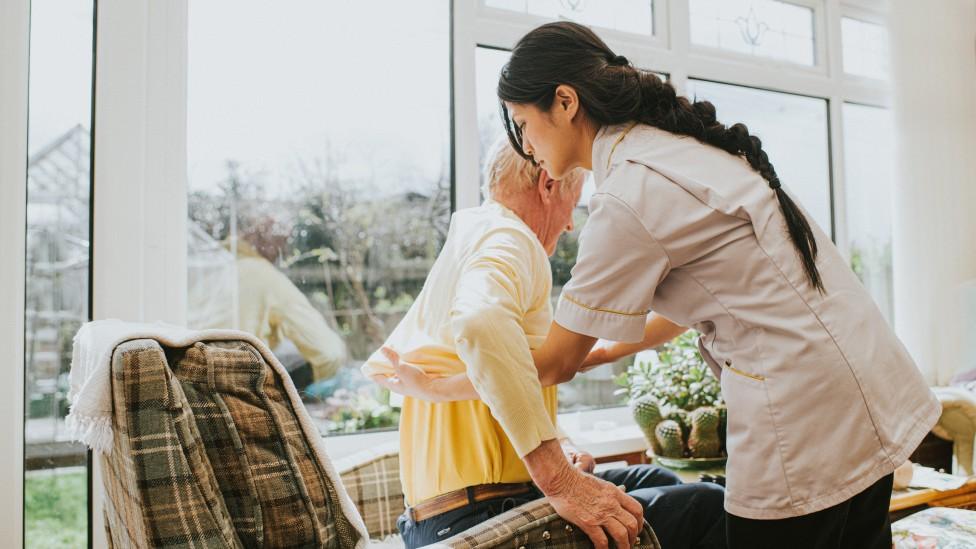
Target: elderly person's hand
{"x":601,"y":510}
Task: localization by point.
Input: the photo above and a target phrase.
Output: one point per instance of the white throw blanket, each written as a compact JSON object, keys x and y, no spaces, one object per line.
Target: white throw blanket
{"x":90,"y":396}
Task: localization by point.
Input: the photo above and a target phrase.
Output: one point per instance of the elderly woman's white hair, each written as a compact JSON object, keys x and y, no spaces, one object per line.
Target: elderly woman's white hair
{"x":507,"y":173}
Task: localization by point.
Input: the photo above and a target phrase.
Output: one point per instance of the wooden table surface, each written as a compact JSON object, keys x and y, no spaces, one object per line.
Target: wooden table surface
{"x":912,"y":497}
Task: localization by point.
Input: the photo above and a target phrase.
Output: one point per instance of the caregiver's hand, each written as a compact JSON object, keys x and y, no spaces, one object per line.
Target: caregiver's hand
{"x":598,"y":356}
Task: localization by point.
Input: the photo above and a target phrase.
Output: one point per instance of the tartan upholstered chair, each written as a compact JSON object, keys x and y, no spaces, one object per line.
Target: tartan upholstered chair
{"x":208,"y":452}
{"x":372,"y":479}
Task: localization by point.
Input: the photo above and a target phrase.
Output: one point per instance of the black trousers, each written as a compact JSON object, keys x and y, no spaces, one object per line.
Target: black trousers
{"x":858,"y":523}
{"x":684,"y":516}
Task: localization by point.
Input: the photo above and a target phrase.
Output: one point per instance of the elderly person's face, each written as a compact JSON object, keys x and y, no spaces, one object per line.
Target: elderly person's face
{"x":557,"y":208}
{"x":543,"y":203}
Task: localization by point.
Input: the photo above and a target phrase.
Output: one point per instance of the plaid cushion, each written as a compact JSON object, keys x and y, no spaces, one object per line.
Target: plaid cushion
{"x":159,"y":483}
{"x":275,"y":489}
{"x":373,"y":483}
{"x":534,"y":524}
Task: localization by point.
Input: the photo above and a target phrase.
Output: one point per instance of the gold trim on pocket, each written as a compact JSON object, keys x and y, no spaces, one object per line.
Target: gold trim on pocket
{"x":728,"y":366}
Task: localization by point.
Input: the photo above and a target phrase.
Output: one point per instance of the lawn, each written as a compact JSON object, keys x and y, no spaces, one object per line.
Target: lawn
{"x":55,"y":509}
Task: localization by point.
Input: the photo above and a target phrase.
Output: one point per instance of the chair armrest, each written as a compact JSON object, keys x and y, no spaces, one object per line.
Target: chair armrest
{"x":534,"y":524}
{"x":372,"y":481}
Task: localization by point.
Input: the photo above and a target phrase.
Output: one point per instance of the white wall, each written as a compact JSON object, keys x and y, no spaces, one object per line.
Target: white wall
{"x":934,"y":61}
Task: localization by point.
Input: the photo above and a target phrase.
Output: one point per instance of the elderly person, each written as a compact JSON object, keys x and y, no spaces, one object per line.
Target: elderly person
{"x":485,"y":306}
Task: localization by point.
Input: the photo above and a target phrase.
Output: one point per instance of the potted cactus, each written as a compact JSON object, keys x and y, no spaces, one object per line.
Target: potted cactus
{"x":677,"y":403}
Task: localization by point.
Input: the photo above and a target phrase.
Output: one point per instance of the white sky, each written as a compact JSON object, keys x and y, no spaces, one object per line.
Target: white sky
{"x":272,"y":82}
{"x":60,"y":69}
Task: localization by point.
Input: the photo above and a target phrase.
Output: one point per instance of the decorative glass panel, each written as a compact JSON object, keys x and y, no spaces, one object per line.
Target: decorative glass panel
{"x":865,"y":48}
{"x":58,"y":238}
{"x":869,"y":175}
{"x":635,"y":16}
{"x":319,"y":173}
{"x":793,"y":129}
{"x":764,"y":28}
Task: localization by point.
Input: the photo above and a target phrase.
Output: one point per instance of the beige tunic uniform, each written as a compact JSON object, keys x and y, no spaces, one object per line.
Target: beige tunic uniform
{"x":823,"y":399}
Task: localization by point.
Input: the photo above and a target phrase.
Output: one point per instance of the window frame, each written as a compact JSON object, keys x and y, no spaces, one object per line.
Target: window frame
{"x":14,"y":62}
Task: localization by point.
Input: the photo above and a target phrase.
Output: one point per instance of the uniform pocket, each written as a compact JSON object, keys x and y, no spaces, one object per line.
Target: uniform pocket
{"x":755,"y":474}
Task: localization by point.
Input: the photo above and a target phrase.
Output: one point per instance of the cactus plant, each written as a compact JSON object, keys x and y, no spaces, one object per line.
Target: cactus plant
{"x":677,"y":402}
{"x":723,"y":424}
{"x":647,"y":414}
{"x":682,"y":418}
{"x":704,"y":440}
{"x":668,"y":434}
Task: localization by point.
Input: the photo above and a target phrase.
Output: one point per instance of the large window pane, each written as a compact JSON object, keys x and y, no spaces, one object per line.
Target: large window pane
{"x":869,"y":177}
{"x":865,"y":48}
{"x":593,"y":389}
{"x":793,"y":130}
{"x":319,"y":166}
{"x":58,"y":183}
{"x":636,"y":16}
{"x":764,"y":28}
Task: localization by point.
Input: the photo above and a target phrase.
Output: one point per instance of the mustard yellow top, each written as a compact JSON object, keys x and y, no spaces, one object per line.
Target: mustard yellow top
{"x":485,"y":304}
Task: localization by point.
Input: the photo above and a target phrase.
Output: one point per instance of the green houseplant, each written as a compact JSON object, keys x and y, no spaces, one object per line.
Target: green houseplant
{"x":677,"y":403}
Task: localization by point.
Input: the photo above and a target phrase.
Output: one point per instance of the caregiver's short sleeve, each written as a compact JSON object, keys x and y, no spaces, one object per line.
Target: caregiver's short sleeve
{"x":618,"y":267}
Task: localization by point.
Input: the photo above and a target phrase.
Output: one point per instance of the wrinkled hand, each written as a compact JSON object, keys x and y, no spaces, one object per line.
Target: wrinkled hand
{"x":600,"y":509}
{"x":582,"y":460}
{"x":407,"y":380}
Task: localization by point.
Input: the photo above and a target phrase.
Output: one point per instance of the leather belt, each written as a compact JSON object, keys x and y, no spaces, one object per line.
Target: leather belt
{"x":465,"y":496}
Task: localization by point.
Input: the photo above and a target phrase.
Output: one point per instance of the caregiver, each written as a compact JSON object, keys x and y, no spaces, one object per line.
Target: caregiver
{"x":690,"y":219}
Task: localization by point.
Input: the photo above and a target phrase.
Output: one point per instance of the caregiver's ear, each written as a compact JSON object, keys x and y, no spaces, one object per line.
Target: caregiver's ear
{"x":566,"y":101}
{"x":546,"y":186}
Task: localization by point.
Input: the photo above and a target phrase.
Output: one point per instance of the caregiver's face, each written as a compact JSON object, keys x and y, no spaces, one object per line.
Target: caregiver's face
{"x":547,"y":136}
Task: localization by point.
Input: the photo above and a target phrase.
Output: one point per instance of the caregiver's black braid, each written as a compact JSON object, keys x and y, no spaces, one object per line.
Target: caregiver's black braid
{"x":612,"y":91}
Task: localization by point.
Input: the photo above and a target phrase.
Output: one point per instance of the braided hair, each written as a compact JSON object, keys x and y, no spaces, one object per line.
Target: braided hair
{"x":613,"y":91}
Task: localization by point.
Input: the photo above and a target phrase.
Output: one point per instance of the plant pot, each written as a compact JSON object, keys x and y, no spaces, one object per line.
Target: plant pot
{"x":693,"y":464}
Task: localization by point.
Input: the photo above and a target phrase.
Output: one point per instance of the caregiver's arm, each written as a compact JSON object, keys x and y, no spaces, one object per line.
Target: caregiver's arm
{"x":553,"y":367}
{"x":657,"y":332}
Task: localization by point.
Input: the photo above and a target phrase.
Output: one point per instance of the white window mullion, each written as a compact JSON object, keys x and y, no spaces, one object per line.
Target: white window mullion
{"x":14,"y":41}
{"x":836,"y":128}
{"x":139,"y":240}
{"x":467,"y":192}
{"x":679,"y":42}
{"x":139,"y":199}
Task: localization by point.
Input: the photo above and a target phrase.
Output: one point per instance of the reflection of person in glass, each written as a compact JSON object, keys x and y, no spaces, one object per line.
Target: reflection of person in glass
{"x":269,"y":306}
{"x":484,"y":307}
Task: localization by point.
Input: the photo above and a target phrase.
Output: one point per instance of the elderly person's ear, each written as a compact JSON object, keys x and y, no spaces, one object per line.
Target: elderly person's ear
{"x":546,"y":186}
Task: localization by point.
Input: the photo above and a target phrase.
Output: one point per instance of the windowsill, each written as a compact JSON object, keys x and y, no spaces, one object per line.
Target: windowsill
{"x":605,"y":432}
